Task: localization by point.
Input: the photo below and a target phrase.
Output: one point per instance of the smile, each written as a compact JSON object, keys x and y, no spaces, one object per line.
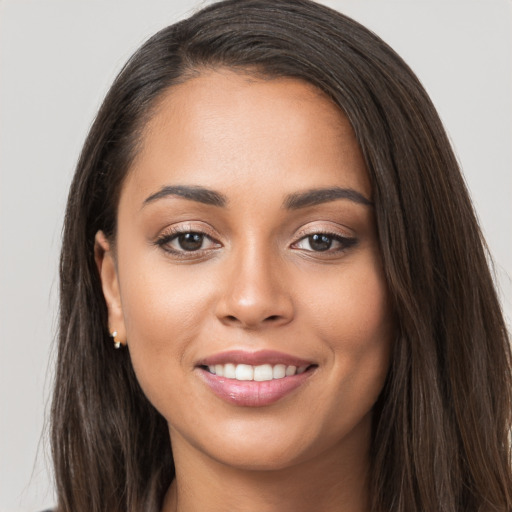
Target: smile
{"x":254,"y":379}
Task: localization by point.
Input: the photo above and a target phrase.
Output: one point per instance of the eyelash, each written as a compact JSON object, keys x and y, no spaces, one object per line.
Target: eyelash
{"x":165,"y":239}
{"x":174,"y":233}
{"x":344,"y":242}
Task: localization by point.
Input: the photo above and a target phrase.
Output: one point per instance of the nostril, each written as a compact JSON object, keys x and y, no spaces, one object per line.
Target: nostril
{"x":268,"y":319}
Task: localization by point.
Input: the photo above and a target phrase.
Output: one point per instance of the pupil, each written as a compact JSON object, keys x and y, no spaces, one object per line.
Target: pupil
{"x":320,"y":242}
{"x":190,"y":241}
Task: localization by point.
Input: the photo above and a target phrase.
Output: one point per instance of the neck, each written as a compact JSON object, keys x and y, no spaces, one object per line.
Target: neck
{"x":330,"y":482}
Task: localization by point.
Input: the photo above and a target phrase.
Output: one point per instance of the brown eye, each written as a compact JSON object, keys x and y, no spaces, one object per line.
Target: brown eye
{"x":190,"y":241}
{"x":324,"y":242}
{"x":186,"y":242}
{"x":320,"y":242}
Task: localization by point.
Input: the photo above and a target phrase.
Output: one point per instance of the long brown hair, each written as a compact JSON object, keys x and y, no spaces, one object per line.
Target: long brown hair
{"x":441,"y":440}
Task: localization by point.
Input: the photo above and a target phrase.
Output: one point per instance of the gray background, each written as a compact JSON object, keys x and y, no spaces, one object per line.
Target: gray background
{"x":57,"y":59}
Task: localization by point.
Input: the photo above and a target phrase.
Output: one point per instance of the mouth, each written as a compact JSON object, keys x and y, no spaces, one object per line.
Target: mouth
{"x":254,"y":379}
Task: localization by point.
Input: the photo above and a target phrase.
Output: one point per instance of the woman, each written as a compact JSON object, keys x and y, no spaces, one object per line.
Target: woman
{"x":268,"y":223}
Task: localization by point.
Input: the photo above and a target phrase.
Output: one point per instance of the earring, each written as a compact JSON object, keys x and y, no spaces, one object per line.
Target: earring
{"x":117,"y":344}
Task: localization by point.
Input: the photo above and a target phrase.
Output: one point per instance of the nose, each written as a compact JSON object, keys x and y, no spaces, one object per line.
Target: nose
{"x":255,"y":293}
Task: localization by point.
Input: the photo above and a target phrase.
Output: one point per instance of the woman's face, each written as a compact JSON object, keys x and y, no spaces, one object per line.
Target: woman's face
{"x":247,"y":277}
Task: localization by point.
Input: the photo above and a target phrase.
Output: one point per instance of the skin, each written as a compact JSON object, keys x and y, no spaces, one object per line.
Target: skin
{"x":255,"y":284}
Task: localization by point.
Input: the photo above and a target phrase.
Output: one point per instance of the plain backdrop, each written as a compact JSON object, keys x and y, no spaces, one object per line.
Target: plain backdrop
{"x":57,"y":59}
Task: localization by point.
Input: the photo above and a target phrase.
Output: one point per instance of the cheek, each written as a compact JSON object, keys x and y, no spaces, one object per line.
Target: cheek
{"x":351,"y":305}
{"x":351,"y":314}
{"x":163,"y":312}
{"x":355,"y":323}
{"x":161,"y":301}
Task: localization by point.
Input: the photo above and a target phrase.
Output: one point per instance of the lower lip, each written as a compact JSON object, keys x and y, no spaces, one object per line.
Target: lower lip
{"x":251,"y":393}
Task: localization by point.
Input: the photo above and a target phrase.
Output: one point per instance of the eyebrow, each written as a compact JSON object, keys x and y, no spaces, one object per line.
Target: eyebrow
{"x":194,"y":193}
{"x":292,"y":202}
{"x":323,"y":195}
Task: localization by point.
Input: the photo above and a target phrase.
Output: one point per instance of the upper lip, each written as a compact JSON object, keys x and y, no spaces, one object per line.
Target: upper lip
{"x":260,"y":357}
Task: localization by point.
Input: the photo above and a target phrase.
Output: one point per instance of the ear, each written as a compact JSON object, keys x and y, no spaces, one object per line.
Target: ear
{"x":104,"y":257}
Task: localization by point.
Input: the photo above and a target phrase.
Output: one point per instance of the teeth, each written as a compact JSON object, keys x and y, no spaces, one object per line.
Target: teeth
{"x":290,"y":370}
{"x":257,"y":373}
{"x":243,"y":372}
{"x":263,"y":372}
{"x":279,"y":371}
{"x":230,"y":371}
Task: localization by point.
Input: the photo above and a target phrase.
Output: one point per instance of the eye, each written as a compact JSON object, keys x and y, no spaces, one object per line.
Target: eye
{"x":189,"y":241}
{"x":182,"y":242}
{"x":322,"y":242}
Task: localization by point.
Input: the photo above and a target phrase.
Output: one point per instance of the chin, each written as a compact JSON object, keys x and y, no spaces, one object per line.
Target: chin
{"x":278,"y":445}
{"x":262,"y":458}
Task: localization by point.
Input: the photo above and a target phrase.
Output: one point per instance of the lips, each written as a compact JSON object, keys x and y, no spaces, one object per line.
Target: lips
{"x":254,"y":379}
{"x":271,"y":357}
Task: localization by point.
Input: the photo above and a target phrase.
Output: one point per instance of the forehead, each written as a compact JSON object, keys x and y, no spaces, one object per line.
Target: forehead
{"x":221,"y":124}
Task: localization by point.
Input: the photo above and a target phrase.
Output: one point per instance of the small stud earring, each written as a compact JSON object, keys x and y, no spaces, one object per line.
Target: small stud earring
{"x":117,"y":344}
